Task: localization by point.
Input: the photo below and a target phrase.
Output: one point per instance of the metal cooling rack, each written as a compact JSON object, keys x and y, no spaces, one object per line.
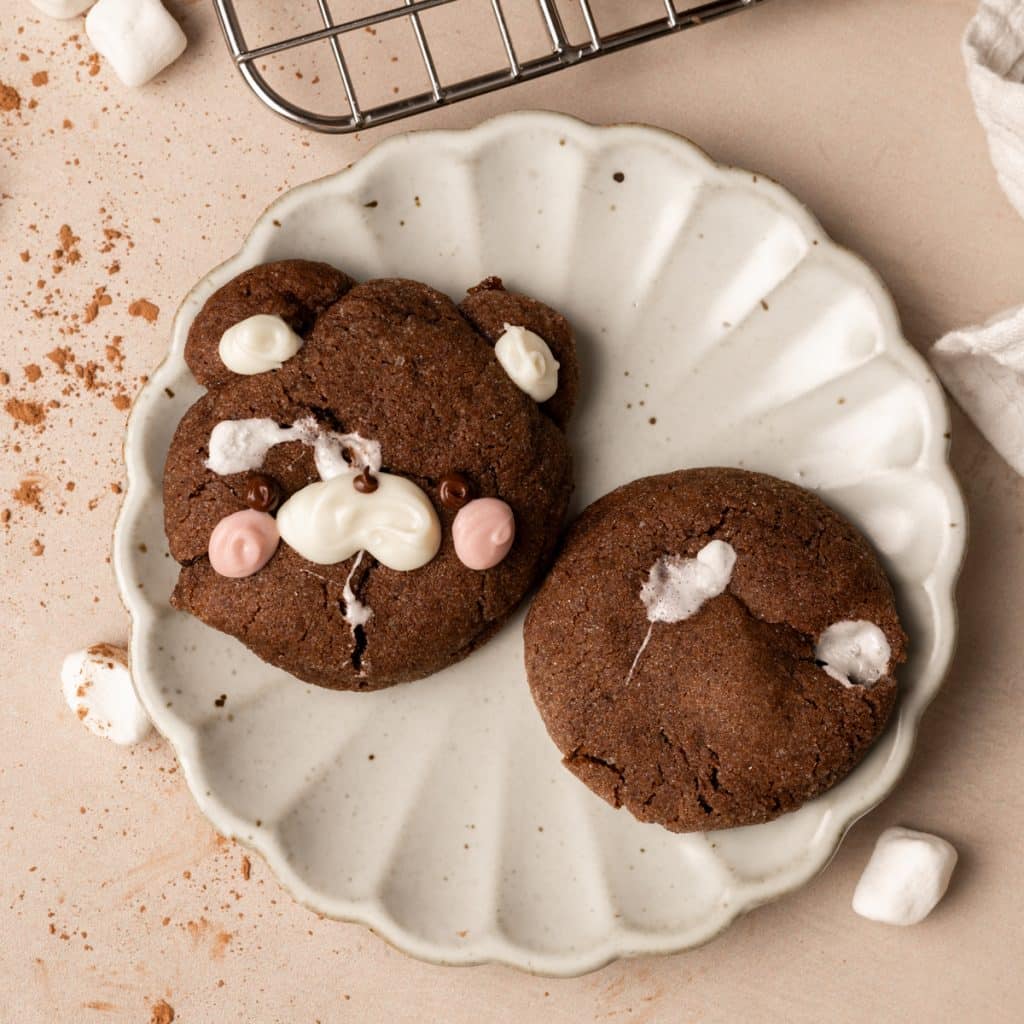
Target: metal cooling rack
{"x":354,"y":116}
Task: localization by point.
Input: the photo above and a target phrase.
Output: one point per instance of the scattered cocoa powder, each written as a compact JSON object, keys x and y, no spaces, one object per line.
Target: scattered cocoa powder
{"x":162,"y":1012}
{"x":10,"y":98}
{"x":99,"y":299}
{"x":121,"y":401}
{"x":32,"y":372}
{"x":94,"y":67}
{"x":61,"y":356}
{"x":40,"y":78}
{"x":29,"y":494}
{"x":144,"y":308}
{"x":29,"y":413}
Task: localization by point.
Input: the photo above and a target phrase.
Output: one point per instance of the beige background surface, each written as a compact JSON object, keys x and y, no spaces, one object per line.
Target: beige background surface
{"x":113,"y":891}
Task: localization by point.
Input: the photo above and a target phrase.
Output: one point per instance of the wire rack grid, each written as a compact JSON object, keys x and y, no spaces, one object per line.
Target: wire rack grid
{"x":560,"y":52}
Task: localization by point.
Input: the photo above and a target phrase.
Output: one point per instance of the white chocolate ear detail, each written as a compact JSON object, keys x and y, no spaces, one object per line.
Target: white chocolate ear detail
{"x":329,"y":521}
{"x":258,"y":344}
{"x":528,"y":361}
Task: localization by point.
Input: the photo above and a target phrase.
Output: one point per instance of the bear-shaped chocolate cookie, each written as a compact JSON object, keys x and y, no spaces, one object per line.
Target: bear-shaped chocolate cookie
{"x":375,"y":476}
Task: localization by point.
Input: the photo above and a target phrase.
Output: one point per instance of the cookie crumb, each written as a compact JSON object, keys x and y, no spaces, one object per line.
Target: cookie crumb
{"x":37,"y":547}
{"x":40,"y":78}
{"x":246,"y":868}
{"x":32,"y":372}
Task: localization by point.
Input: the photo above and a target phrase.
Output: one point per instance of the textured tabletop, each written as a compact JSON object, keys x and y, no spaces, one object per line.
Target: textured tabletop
{"x":115,"y":892}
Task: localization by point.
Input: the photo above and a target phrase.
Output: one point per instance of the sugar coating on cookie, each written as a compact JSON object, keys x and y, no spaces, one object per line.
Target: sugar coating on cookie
{"x":907,"y":875}
{"x":381,"y":417}
{"x":672,"y":650}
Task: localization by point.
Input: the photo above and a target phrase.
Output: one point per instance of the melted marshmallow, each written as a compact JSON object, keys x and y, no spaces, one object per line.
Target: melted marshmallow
{"x":330,"y":521}
{"x":357,"y":613}
{"x":236,"y":446}
{"x":854,"y":653}
{"x":677,"y":587}
{"x":526,"y":358}
{"x":258,"y":344}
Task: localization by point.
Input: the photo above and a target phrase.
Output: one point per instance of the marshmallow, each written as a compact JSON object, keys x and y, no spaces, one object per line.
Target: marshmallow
{"x":676,"y":588}
{"x":854,"y":653}
{"x":258,"y":344}
{"x":62,"y":8}
{"x":329,"y":521}
{"x":528,"y":361}
{"x":239,"y":445}
{"x":98,"y":688}
{"x":138,"y":37}
{"x":907,"y":875}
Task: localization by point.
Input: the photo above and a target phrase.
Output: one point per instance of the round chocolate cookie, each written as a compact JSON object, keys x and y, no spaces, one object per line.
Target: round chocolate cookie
{"x":713,"y":648}
{"x":368,"y":489}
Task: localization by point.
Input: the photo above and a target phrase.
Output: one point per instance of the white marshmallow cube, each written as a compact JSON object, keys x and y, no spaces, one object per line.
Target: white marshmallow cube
{"x":907,"y":875}
{"x":138,"y":37}
{"x":98,"y":688}
{"x":62,"y":8}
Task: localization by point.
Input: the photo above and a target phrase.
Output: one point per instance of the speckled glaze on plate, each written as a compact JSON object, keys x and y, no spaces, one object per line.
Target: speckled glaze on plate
{"x":717,"y":325}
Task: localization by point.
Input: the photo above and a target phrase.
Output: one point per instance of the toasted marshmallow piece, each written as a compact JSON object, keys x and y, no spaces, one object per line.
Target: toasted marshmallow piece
{"x":138,"y":37}
{"x":907,"y":875}
{"x":98,"y":688}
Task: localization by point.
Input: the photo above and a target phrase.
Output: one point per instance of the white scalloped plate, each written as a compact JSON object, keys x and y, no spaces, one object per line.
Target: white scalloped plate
{"x":717,"y":325}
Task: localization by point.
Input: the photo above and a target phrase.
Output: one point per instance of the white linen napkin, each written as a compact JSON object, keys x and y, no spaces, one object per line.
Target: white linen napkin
{"x":983,"y":367}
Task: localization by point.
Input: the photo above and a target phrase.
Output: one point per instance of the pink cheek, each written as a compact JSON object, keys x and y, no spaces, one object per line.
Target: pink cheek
{"x":483,"y":532}
{"x":242,"y":543}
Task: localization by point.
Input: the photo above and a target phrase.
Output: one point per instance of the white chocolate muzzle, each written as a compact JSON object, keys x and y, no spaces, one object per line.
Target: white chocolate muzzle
{"x":329,"y":521}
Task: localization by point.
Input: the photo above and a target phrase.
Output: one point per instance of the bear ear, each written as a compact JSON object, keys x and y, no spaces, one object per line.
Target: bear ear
{"x":491,"y":310}
{"x":295,"y":291}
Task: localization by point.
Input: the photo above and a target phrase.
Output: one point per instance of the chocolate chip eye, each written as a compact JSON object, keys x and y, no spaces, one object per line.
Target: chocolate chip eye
{"x":455,"y":490}
{"x":262,"y":492}
{"x":365,"y":483}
